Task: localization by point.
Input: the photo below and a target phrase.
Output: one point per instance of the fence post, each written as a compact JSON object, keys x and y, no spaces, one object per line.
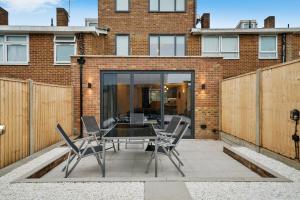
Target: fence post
{"x":31,"y":128}
{"x":258,"y":109}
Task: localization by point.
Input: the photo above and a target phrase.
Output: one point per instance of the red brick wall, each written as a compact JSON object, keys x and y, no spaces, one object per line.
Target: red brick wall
{"x":41,"y":66}
{"x":207,"y":71}
{"x":248,"y":57}
{"x":139,"y":23}
{"x":293,"y":46}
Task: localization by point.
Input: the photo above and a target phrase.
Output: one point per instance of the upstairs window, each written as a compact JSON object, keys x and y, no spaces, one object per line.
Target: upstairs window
{"x":14,"y":49}
{"x":65,"y":47}
{"x":224,"y":46}
{"x":167,"y":5}
{"x":122,"y":5}
{"x":167,"y":45}
{"x":122,"y":45}
{"x":268,"y":47}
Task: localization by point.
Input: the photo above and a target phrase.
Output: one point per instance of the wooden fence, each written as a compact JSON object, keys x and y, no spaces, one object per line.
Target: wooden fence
{"x":255,"y":107}
{"x":30,"y":111}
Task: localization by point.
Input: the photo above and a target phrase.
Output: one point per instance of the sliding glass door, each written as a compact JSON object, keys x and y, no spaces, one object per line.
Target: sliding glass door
{"x":147,"y":96}
{"x":158,"y":95}
{"x":115,"y":98}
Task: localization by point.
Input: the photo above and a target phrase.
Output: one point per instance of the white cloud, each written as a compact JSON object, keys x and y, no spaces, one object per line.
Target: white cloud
{"x":29,"y":5}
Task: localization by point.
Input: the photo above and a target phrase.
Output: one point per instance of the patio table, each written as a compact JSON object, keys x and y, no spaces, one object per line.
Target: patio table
{"x":122,"y":132}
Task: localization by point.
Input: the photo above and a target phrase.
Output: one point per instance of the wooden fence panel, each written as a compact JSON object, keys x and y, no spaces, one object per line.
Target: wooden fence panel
{"x":51,"y":104}
{"x":238,"y":107}
{"x":280,"y":94}
{"x":14,"y":143}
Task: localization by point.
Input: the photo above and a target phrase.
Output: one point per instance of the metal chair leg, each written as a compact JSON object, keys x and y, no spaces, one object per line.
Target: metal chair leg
{"x":177,"y":158}
{"x":176,"y":152}
{"x":68,"y":173}
{"x":114,"y":146}
{"x":149,"y":163}
{"x":170,"y":158}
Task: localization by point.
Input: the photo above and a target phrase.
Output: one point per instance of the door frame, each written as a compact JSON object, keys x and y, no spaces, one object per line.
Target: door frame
{"x":162,"y":73}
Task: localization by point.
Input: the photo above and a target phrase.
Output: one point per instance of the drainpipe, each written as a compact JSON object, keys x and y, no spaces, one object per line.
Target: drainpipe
{"x":284,"y":47}
{"x":81,"y":62}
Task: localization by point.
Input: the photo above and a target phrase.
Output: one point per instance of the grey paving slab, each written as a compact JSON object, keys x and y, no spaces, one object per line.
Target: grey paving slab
{"x":202,"y":159}
{"x":166,"y":191}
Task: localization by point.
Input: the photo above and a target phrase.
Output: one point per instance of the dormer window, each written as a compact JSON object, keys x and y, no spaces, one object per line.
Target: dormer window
{"x":167,"y":5}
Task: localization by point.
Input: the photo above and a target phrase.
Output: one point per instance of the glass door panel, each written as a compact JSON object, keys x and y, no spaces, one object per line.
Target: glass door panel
{"x":116,"y":98}
{"x":147,"y":96}
{"x":178,"y":98}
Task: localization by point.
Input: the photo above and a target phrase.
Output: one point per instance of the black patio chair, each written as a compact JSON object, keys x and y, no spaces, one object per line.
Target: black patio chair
{"x":171,"y":129}
{"x":136,"y":118}
{"x":81,"y":152}
{"x":94,"y":132}
{"x":166,"y":146}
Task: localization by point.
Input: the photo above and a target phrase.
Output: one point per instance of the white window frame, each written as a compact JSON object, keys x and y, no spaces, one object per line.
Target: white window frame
{"x":220,"y":52}
{"x":64,"y":42}
{"x":171,"y":11}
{"x":260,"y":51}
{"x":175,"y":44}
{"x":116,"y":44}
{"x":116,"y":7}
{"x":8,"y":43}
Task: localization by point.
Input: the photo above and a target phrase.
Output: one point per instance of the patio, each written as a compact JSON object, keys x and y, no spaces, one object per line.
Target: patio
{"x":203,"y":159}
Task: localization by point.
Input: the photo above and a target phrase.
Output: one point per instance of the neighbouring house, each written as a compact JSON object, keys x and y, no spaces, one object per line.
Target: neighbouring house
{"x":144,"y":56}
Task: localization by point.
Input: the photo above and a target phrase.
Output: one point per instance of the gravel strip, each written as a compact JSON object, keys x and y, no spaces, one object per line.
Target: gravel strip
{"x":251,"y":190}
{"x":61,"y":191}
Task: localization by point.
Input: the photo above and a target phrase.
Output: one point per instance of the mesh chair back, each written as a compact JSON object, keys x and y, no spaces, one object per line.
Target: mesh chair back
{"x":137,"y":118}
{"x":173,"y":125}
{"x":90,"y":124}
{"x":66,"y":138}
{"x":181,"y":133}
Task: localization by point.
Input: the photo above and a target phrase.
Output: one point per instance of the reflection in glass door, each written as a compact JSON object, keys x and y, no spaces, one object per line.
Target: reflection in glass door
{"x":178,"y":97}
{"x":115,"y":98}
{"x":157,"y":95}
{"x":147,"y":96}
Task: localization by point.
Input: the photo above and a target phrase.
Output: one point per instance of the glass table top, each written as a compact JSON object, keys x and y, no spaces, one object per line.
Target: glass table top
{"x":131,"y":131}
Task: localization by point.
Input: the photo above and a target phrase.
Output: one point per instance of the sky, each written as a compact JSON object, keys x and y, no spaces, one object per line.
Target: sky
{"x":224,"y":13}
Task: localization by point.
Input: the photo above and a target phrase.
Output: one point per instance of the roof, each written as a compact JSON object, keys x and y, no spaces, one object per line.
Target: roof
{"x":52,"y":29}
{"x":199,"y":31}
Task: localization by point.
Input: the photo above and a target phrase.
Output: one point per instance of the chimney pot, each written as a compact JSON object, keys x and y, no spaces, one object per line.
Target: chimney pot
{"x":3,"y":16}
{"x":205,"y":20}
{"x":270,"y":22}
{"x":62,"y":17}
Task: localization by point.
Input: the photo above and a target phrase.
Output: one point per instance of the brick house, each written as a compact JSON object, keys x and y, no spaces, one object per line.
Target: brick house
{"x":147,"y":57}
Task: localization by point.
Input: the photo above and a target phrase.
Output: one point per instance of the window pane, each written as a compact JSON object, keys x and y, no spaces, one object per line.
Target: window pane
{"x":230,"y":44}
{"x":167,"y":46}
{"x":180,"y":46}
{"x":17,"y":53}
{"x":167,"y":5}
{"x":153,"y":5}
{"x":268,"y":43}
{"x":122,"y":45}
{"x":1,"y":53}
{"x":180,"y":5}
{"x":211,"y":44}
{"x":1,"y":38}
{"x":63,"y":53}
{"x":154,"y":51}
{"x":16,"y":38}
{"x":122,"y":5}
